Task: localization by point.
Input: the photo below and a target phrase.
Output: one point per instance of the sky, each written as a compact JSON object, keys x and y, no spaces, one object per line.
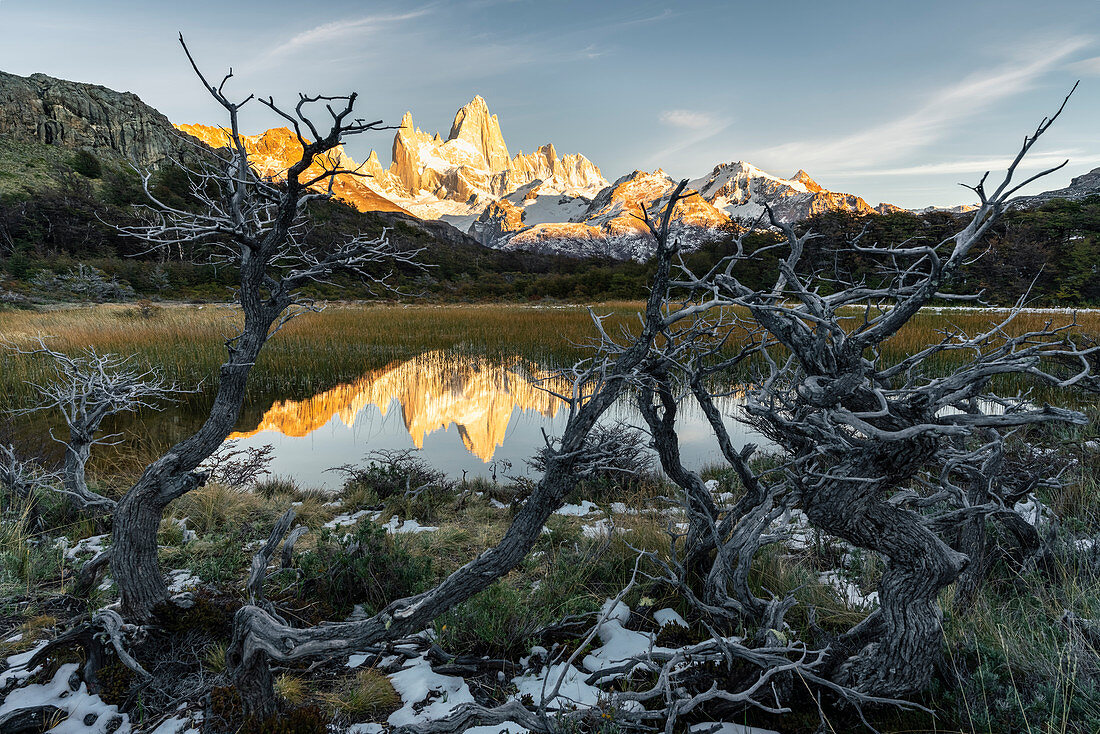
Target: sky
{"x":893,"y":101}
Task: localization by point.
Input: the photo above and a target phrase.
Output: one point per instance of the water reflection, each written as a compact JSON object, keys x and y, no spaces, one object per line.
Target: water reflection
{"x":466,"y":413}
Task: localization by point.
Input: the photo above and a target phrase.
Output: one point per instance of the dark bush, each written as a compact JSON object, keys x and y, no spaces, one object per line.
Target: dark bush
{"x":86,"y":164}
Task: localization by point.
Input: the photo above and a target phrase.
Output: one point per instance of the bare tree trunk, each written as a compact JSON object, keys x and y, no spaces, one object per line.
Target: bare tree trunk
{"x":134,"y":562}
{"x":900,"y":658}
{"x":77,"y":453}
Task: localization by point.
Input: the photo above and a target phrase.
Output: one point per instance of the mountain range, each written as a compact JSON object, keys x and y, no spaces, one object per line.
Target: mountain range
{"x":539,"y":201}
{"x":542,"y":201}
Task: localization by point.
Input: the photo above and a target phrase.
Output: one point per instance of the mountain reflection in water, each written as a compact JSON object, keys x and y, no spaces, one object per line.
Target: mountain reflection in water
{"x":463,"y":411}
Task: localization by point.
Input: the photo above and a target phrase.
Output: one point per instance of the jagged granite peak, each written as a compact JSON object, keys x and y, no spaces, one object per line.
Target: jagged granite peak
{"x":1087,"y":184}
{"x":272,"y":152}
{"x":481,"y":129}
{"x":804,"y":178}
{"x":43,"y":109}
{"x":458,"y":178}
{"x":574,"y":173}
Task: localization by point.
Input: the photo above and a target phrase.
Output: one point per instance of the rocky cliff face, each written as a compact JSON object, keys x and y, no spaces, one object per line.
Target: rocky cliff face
{"x":474,"y":125}
{"x":272,"y":152}
{"x":74,"y":115}
{"x":1087,"y":184}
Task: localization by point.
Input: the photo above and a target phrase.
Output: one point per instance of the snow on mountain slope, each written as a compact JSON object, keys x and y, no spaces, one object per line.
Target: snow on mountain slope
{"x":611,"y":225}
{"x":742,"y":191}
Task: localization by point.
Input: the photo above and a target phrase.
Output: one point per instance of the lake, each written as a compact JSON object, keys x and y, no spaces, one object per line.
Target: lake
{"x":469,"y":416}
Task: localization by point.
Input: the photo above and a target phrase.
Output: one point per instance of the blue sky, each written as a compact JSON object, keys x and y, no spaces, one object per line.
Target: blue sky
{"x":893,"y":101}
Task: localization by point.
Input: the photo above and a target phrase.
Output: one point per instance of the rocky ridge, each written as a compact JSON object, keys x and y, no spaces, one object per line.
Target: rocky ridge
{"x":1087,"y":184}
{"x":42,"y":109}
{"x":742,"y":190}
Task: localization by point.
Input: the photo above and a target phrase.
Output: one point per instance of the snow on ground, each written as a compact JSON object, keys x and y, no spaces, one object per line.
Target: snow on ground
{"x":396,"y":527}
{"x":602,"y":529}
{"x":87,"y":714}
{"x":718,"y":727}
{"x":349,"y":519}
{"x":619,"y":643}
{"x":15,"y":670}
{"x":504,"y":727}
{"x":365,"y":729}
{"x":584,"y":508}
{"x":669,"y":616}
{"x":91,"y":546}
{"x":176,"y":725}
{"x":848,"y":590}
{"x":1033,"y":511}
{"x":574,"y":692}
{"x":426,"y":695}
{"x":181,"y":580}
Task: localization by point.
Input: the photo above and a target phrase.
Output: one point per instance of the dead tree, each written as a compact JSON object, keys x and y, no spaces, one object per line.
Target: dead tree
{"x":257,"y":226}
{"x":597,"y":383}
{"x":21,"y":477}
{"x":87,"y":389}
{"x":882,"y":454}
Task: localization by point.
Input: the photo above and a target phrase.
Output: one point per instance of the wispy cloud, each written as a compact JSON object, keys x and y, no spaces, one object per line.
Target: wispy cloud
{"x":1087,"y":67}
{"x":664,"y":15}
{"x":341,"y":29}
{"x":337,"y":31}
{"x":687,"y":119}
{"x":979,"y":165}
{"x":684,"y":141}
{"x":931,"y":121}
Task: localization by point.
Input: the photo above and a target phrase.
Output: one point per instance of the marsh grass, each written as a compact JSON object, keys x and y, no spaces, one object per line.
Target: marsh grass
{"x":368,"y":693}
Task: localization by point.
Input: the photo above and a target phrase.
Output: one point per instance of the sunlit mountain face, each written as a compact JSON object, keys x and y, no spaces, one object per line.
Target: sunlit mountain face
{"x":476,"y":395}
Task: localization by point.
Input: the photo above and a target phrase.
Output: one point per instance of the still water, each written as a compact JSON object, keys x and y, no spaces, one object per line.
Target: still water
{"x":467,"y":415}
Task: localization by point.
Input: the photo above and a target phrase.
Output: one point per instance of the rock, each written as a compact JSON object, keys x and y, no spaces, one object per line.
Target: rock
{"x":574,"y":173}
{"x":476,"y":126}
{"x":74,"y":115}
{"x":499,"y":218}
{"x":1085,"y":185}
{"x":271,"y":153}
{"x":742,"y":190}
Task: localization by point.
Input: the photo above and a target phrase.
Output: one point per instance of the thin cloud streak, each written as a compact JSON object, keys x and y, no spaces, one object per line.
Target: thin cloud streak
{"x":1089,"y":67}
{"x":933,"y":120}
{"x":662,"y":156}
{"x":976,"y":165}
{"x":688,"y":119}
{"x":333,"y":32}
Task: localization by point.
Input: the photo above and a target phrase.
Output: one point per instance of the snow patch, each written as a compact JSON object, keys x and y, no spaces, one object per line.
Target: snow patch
{"x":78,"y":704}
{"x":426,"y":695}
{"x":584,"y":508}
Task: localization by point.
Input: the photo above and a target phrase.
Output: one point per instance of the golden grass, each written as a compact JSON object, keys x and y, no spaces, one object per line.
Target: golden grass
{"x":369,"y":693}
{"x":291,"y":689}
{"x":340,"y":343}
